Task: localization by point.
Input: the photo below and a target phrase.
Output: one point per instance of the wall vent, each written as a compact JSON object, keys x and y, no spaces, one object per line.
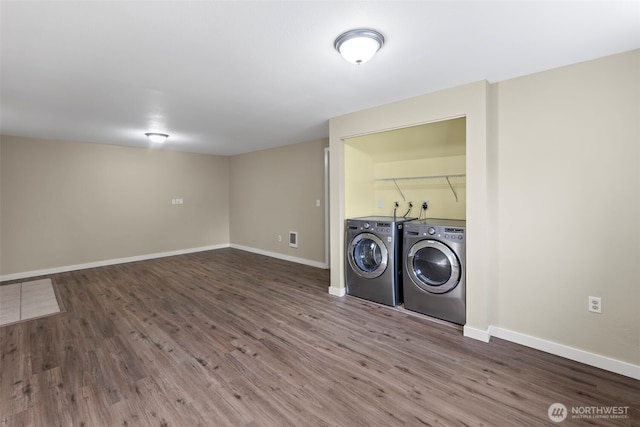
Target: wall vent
{"x":293,"y":239}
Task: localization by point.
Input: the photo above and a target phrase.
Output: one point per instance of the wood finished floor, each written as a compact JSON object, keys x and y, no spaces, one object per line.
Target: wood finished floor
{"x":230,"y":338}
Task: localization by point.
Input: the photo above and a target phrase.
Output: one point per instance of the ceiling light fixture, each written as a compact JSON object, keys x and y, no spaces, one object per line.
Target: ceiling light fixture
{"x":158,"y":138}
{"x":358,"y":46}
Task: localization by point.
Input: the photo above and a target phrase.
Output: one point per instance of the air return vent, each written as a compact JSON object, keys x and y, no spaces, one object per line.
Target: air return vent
{"x":293,"y":239}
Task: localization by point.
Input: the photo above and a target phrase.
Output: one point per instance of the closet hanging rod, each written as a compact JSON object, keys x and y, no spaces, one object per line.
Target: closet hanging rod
{"x":422,"y":177}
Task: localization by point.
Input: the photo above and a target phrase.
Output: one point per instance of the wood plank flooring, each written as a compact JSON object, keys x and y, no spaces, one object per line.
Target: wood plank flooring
{"x":230,"y":338}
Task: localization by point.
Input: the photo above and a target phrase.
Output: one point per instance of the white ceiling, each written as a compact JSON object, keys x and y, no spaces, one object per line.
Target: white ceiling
{"x":227,"y":77}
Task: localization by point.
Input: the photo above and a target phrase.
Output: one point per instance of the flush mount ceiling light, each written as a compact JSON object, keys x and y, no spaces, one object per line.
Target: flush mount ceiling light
{"x":359,"y":46}
{"x":157,"y":137}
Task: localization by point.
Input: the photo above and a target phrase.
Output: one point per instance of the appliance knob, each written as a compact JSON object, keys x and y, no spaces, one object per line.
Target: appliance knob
{"x":431,"y":231}
{"x":367,"y":225}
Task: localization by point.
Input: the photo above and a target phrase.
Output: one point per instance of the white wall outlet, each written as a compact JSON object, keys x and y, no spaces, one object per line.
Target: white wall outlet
{"x":318,"y":203}
{"x":595,"y":304}
{"x":279,"y":237}
{"x":380,"y":204}
{"x":173,"y":201}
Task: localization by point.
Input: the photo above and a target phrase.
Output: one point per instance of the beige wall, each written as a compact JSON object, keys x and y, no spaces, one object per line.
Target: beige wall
{"x":442,"y":201}
{"x":359,"y":189}
{"x":385,"y":168}
{"x":569,"y":205}
{"x":275,"y":191}
{"x":368,"y":192}
{"x":68,"y":203}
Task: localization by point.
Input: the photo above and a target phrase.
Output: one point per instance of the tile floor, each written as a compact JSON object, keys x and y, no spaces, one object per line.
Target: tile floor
{"x":27,"y":300}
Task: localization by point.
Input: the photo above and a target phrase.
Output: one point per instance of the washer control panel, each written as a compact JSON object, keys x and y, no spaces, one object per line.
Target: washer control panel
{"x":385,"y":226}
{"x":381,"y":227}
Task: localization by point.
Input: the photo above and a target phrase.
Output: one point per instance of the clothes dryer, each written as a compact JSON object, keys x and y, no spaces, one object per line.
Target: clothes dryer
{"x":434,"y":268}
{"x":373,"y":258}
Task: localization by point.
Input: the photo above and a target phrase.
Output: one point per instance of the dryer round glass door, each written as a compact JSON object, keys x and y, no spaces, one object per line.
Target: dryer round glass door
{"x":433,"y":266}
{"x":368,"y":256}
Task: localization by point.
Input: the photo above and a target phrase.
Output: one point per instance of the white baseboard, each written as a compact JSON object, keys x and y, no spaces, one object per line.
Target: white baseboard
{"x":308,"y":262}
{"x":55,"y":270}
{"x":582,"y":356}
{"x":63,"y":269}
{"x":337,"y":292}
{"x":476,"y":334}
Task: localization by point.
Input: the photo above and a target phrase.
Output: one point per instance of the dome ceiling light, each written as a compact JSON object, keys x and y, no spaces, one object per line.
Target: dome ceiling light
{"x":358,"y":46}
{"x":156,"y":137}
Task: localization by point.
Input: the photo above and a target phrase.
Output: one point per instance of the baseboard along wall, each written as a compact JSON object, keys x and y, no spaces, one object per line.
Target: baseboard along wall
{"x":104,"y":263}
{"x":571,"y":353}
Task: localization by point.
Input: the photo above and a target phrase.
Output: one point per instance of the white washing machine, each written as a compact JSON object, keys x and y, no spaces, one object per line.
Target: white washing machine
{"x":373,"y":258}
{"x":434,"y":281}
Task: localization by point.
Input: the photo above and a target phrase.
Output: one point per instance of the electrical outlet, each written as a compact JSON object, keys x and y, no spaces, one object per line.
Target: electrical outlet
{"x":279,"y":238}
{"x":595,"y":305}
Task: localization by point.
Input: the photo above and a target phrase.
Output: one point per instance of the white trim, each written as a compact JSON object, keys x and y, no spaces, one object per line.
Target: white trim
{"x":337,"y":292}
{"x":308,"y":262}
{"x":582,"y":356}
{"x":327,"y":212}
{"x":476,"y":334}
{"x":107,"y":262}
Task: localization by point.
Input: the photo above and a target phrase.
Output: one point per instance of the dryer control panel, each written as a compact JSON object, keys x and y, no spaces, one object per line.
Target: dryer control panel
{"x":426,"y":228}
{"x":453,"y":233}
